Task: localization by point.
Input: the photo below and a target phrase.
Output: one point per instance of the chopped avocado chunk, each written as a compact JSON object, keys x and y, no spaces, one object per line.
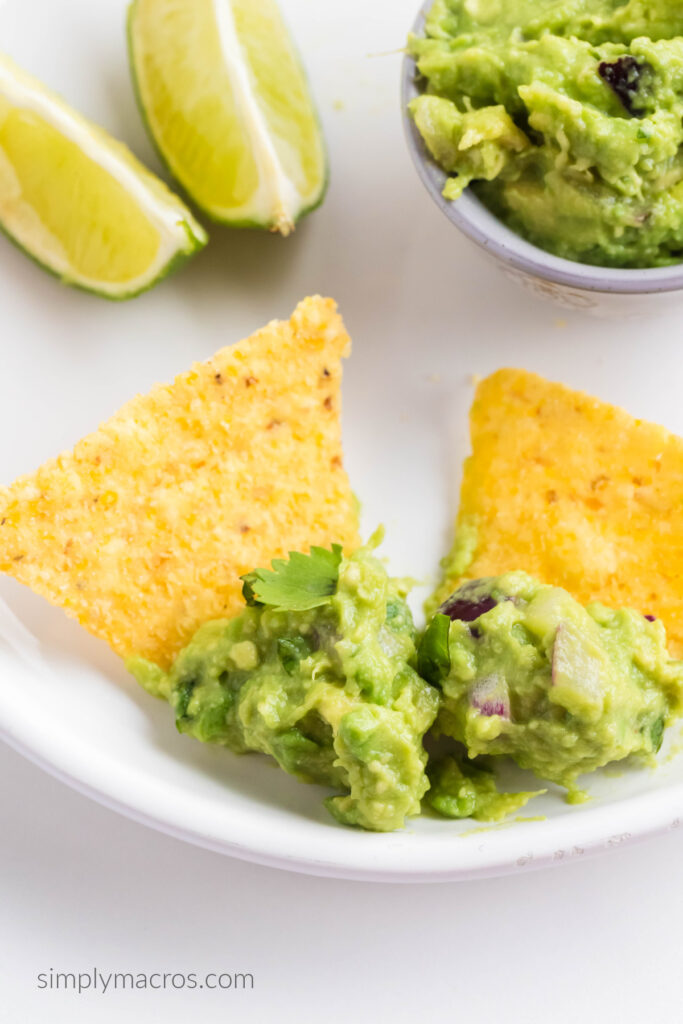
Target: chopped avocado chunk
{"x":319,"y":672}
{"x":566,"y":117}
{"x":460,"y":788}
{"x":560,"y":688}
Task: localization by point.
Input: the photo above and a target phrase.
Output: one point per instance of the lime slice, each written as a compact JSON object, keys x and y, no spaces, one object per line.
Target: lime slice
{"x":79,"y":202}
{"x":227,"y":103}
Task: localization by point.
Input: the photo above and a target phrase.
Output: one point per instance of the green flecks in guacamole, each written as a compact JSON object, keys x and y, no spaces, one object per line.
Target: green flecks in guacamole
{"x":321,"y":677}
{"x":566,"y":116}
{"x":460,"y":788}
{"x":560,"y":688}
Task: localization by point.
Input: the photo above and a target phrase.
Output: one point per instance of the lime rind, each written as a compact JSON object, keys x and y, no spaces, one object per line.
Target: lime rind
{"x":180,"y":234}
{"x":139,"y":287}
{"x":277,"y":218}
{"x":121,"y":295}
{"x":305,"y":205}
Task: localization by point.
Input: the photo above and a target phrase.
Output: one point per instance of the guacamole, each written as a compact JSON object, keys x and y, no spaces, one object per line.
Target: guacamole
{"x":528,"y":672}
{"x":567,"y":118}
{"x":319,"y":673}
{"x":461,"y":788}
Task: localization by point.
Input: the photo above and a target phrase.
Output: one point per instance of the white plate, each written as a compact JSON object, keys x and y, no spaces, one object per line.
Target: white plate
{"x":426,"y":312}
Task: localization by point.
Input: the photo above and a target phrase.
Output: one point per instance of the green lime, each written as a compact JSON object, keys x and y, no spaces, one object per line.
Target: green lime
{"x":227,"y":104}
{"x":79,"y":202}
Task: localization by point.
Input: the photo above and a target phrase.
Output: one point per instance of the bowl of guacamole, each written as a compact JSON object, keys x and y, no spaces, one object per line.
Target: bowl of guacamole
{"x":551,"y":133}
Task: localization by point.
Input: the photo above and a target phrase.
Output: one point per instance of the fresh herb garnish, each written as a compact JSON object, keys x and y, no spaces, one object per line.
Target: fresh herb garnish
{"x":297,"y":583}
{"x":657,"y":733}
{"x":183,"y":696}
{"x":291,"y":650}
{"x":433,"y":655}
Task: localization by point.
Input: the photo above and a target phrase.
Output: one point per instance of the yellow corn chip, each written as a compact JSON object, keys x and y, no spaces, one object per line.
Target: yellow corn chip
{"x":142,"y":531}
{"x":575,"y":492}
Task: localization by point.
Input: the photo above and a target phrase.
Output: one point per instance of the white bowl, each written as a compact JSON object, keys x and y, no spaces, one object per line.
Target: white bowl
{"x":602,"y":290}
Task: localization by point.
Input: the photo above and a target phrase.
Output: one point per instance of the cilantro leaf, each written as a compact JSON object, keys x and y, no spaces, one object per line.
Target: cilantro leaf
{"x":433,"y":655}
{"x":291,"y":650}
{"x":296,"y":584}
{"x":657,"y":733}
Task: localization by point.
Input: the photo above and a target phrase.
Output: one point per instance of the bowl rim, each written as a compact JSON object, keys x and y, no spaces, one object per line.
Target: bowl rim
{"x":475,"y":221}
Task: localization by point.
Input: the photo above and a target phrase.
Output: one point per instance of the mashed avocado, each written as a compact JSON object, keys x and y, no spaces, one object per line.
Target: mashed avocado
{"x":460,"y":788}
{"x":529,"y":672}
{"x":567,"y":117}
{"x":319,"y":673}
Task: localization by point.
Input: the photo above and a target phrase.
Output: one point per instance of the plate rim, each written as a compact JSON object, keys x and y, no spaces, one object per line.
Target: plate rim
{"x":515,"y":847}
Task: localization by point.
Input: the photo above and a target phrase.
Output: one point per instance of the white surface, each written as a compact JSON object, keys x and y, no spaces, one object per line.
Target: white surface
{"x":596,"y":942}
{"x":426,"y":312}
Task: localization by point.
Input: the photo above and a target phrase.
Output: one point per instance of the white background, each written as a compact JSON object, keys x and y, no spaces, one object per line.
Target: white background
{"x":598,"y":942}
{"x":595,"y":941}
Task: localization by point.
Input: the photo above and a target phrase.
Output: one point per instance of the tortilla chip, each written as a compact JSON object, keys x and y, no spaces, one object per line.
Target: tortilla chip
{"x":142,"y":531}
{"x":576,"y":492}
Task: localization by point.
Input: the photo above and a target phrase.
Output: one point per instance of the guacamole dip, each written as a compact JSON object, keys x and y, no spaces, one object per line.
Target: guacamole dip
{"x":566,"y":116}
{"x":529,"y":672}
{"x":319,"y":673}
{"x":461,"y":788}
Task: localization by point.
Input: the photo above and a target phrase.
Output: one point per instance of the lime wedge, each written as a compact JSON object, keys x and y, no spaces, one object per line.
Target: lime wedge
{"x":227,"y":104}
{"x":79,"y":202}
